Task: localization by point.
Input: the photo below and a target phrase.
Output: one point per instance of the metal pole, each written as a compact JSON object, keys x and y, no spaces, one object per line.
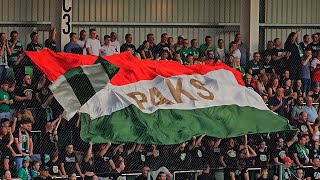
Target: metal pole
{"x":149,"y":175}
{"x":280,"y":171}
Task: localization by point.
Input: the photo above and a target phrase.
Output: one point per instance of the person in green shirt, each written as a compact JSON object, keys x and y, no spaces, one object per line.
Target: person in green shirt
{"x":184,"y":51}
{"x":35,"y":169}
{"x":204,"y":48}
{"x":24,"y":172}
{"x":194,"y":48}
{"x":5,"y":100}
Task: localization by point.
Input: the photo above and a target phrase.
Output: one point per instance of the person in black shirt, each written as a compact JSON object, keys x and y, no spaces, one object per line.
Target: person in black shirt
{"x":211,"y":152}
{"x":50,"y":42}
{"x":69,"y":162}
{"x":229,"y":159}
{"x":264,"y":174}
{"x":268,"y":65}
{"x":159,"y":47}
{"x":197,"y":152}
{"x":294,"y":55}
{"x":206,"y":175}
{"x":315,"y":44}
{"x":44,"y":173}
{"x":116,"y":173}
{"x":128,"y":45}
{"x":305,"y":42}
{"x":144,"y":175}
{"x":278,"y":103}
{"x":25,"y":94}
{"x":313,"y":173}
{"x":269,"y":49}
{"x":103,"y":160}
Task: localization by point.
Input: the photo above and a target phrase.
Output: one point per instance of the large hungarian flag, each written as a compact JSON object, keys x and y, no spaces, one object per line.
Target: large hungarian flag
{"x":123,"y":99}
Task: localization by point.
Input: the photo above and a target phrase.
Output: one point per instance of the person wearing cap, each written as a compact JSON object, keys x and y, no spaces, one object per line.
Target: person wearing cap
{"x":184,"y":51}
{"x":23,"y":141}
{"x":44,"y":173}
{"x":286,"y":171}
{"x":5,"y":100}
{"x":24,"y":172}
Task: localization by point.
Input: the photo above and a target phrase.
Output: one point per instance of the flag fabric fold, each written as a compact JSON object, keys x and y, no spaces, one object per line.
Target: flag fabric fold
{"x":122,"y":99}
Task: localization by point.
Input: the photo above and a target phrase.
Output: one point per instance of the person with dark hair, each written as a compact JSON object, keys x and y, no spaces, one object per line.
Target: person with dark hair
{"x":43,"y":174}
{"x":5,"y":100}
{"x":5,"y":52}
{"x":313,"y":172}
{"x":116,"y":173}
{"x":128,"y":45}
{"x":315,"y":44}
{"x":220,"y":51}
{"x":73,"y":46}
{"x":278,"y":103}
{"x":51,"y":41}
{"x":150,"y":39}
{"x":305,"y":42}
{"x":82,"y":41}
{"x":244,"y":50}
{"x":106,"y":48}
{"x":16,"y":49}
{"x":69,"y":162}
{"x":207,"y":46}
{"x":267,"y":51}
{"x":254,"y":67}
{"x":206,"y":175}
{"x":93,"y":46}
{"x":146,"y":52}
{"x":144,"y":175}
{"x":184,"y":51}
{"x":293,"y":56}
{"x":114,"y":42}
{"x":300,"y":152}
{"x":162,"y":44}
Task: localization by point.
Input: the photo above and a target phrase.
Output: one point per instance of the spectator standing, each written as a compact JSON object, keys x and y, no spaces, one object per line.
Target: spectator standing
{"x":269,"y":49}
{"x":69,"y":162}
{"x":82,"y":41}
{"x":92,"y":44}
{"x":305,"y":71}
{"x":302,"y":124}
{"x":315,"y":44}
{"x":278,"y":56}
{"x":297,"y":109}
{"x":305,"y":42}
{"x":229,"y":159}
{"x":235,"y":52}
{"x":5,"y":52}
{"x":150,"y":39}
{"x":299,"y":152}
{"x":313,"y":172}
{"x":254,"y":66}
{"x":206,"y":175}
{"x":220,"y":51}
{"x":207,"y":46}
{"x":184,"y":51}
{"x":103,"y":158}
{"x":25,"y":94}
{"x":244,"y":50}
{"x":116,"y":173}
{"x":73,"y":46}
{"x":294,"y":55}
{"x":146,"y":52}
{"x":34,"y":45}
{"x":315,"y":68}
{"x":144,"y":175}
{"x":114,"y":42}
{"x":177,"y":46}
{"x":7,"y":159}
{"x":50,"y":42}
{"x":194,"y":48}
{"x":162,"y":44}
{"x":16,"y":49}
{"x":5,"y":100}
{"x":107,"y":49}
{"x":128,"y":45}
{"x":286,"y":171}
{"x":278,"y":103}
{"x":310,"y":110}
{"x":236,"y":65}
{"x":23,"y":141}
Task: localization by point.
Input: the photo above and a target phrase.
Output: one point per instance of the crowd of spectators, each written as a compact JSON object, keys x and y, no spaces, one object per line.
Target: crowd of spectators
{"x":288,"y":80}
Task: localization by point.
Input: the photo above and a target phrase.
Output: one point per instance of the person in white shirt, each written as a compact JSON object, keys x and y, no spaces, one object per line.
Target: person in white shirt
{"x":92,"y":44}
{"x":233,"y":49}
{"x":107,"y":49}
{"x":220,"y":51}
{"x":82,"y":40}
{"x":114,"y":42}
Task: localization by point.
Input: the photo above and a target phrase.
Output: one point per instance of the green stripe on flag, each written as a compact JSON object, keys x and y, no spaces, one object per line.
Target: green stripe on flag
{"x":80,"y":85}
{"x":110,"y":69}
{"x":169,"y":126}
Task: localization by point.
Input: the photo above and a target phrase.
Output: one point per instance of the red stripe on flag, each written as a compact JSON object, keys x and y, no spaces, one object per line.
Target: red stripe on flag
{"x":131,"y":69}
